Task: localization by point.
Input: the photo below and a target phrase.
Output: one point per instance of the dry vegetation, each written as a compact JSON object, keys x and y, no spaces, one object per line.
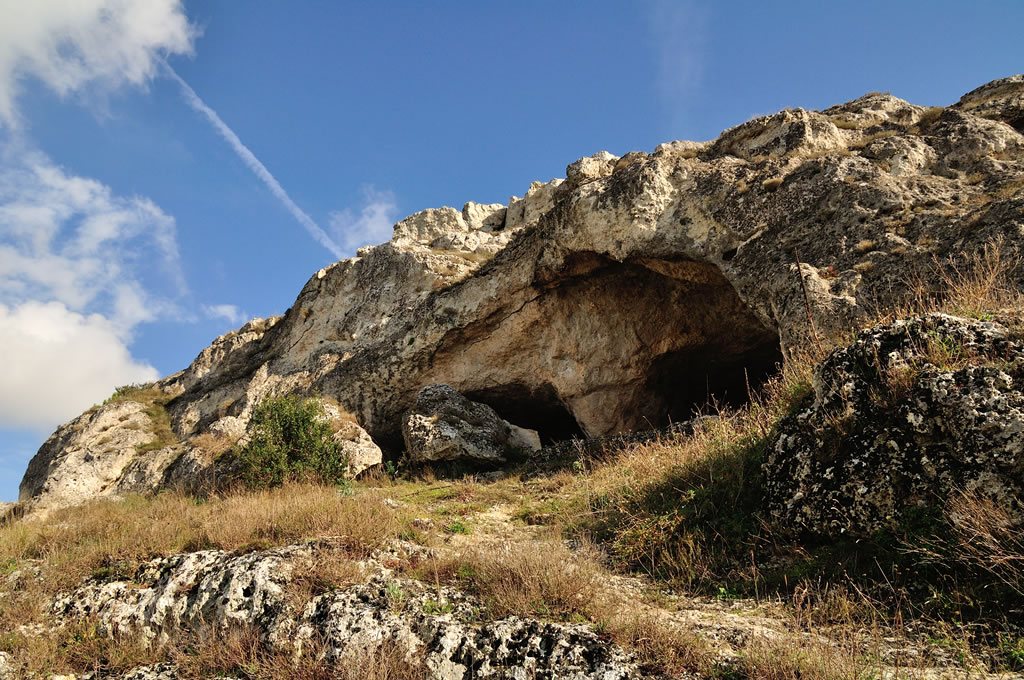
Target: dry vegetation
{"x":215,"y":654}
{"x":111,"y":538}
{"x":154,"y":401}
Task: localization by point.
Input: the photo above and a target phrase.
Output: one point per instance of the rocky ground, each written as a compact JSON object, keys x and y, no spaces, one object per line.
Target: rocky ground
{"x":398,"y":594}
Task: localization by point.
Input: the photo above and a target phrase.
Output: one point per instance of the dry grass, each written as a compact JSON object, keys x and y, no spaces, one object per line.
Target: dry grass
{"x":868,"y":139}
{"x":110,"y":538}
{"x":533,"y":579}
{"x":657,"y":644}
{"x":319,"y":574}
{"x":985,"y":538}
{"x":213,"y":444}
{"x":977,"y":285}
{"x":241,"y":653}
{"x":788,"y":658}
{"x":79,"y":646}
{"x":546,"y":579}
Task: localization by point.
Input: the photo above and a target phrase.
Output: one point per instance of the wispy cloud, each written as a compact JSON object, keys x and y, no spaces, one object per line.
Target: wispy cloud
{"x":72,"y":239}
{"x":371,"y":225}
{"x":254,"y":164}
{"x":71,"y":45}
{"x":230,"y":313}
{"x":679,"y":31}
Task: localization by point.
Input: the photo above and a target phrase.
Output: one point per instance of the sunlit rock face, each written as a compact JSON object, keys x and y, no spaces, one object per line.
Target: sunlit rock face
{"x":622,"y":297}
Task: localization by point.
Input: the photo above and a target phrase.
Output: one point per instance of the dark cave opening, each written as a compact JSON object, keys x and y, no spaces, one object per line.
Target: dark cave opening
{"x":699,"y":380}
{"x":537,"y":409}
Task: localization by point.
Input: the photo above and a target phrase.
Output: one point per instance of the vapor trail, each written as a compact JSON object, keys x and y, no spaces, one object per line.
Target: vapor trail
{"x":255,"y":165}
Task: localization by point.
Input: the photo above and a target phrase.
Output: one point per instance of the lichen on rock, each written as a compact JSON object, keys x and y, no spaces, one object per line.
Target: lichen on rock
{"x":901,"y":419}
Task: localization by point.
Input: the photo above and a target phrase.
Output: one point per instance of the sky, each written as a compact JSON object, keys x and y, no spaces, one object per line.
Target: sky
{"x":172,"y":168}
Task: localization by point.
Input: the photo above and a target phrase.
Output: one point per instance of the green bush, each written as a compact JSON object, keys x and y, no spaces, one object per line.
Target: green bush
{"x":290,"y":440}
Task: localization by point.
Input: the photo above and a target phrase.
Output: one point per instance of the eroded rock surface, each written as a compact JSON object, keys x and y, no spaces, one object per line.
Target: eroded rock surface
{"x":619,"y":298}
{"x":212,"y":590}
{"x":444,"y":426}
{"x":908,"y":414}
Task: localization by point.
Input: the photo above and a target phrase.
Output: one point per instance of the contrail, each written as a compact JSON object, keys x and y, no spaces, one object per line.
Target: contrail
{"x":255,"y":165}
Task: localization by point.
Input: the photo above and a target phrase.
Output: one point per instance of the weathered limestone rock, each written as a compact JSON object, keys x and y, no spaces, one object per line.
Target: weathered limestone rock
{"x":357,"y":446}
{"x":90,"y":454}
{"x":1001,"y":100}
{"x":189,"y":592}
{"x":590,"y":168}
{"x":445,"y":426}
{"x":623,"y":297}
{"x":186,"y":591}
{"x":900,"y":419}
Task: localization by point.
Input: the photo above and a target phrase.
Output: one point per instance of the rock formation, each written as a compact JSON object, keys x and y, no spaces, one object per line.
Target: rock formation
{"x":445,"y":426}
{"x":211,"y":589}
{"x":619,"y":298}
{"x":905,"y":417}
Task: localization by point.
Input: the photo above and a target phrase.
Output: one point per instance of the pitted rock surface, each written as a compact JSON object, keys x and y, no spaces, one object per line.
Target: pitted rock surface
{"x":186,"y":591}
{"x":446,"y":426}
{"x":193,"y":591}
{"x":593,"y":301}
{"x":887,"y":431}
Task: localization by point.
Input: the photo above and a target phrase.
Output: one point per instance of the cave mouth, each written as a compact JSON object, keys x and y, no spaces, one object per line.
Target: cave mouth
{"x":609,"y":346}
{"x":537,"y":408}
{"x":702,"y":380}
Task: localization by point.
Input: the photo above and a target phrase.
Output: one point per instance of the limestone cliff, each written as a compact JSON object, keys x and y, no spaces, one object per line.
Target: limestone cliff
{"x":617,"y":298}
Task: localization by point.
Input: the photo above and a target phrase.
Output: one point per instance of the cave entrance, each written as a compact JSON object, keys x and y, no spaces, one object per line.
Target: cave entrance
{"x":599,"y":346}
{"x":693,"y":381}
{"x":536,"y":408}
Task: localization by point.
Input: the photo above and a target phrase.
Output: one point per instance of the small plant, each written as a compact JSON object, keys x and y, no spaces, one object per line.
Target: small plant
{"x":436,"y":607}
{"x":457,"y":527}
{"x":1011,"y":649}
{"x":290,"y":439}
{"x":395,"y":594}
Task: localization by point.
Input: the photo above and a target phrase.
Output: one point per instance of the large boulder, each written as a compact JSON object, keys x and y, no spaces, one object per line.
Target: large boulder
{"x":901,"y":419}
{"x":359,"y":449}
{"x":446,"y":426}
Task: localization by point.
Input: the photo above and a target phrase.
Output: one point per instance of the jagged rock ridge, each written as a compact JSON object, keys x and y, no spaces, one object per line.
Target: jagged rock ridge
{"x":616,"y":299}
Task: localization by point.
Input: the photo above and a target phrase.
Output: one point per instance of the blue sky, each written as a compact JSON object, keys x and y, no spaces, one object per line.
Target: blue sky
{"x":132,"y":232}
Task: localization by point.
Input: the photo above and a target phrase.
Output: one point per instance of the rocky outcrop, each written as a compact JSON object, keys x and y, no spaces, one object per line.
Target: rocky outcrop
{"x":210,"y":591}
{"x":445,"y":426}
{"x":620,"y":298}
{"x":900,"y":419}
{"x":101,"y":451}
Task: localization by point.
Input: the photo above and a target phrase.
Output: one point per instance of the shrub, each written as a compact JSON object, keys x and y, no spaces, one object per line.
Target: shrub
{"x":289,"y":439}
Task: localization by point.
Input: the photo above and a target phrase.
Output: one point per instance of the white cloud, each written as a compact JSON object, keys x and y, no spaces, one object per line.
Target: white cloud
{"x":72,"y":45}
{"x":255,"y":165}
{"x":370,"y":226}
{"x":80,"y":268}
{"x":70,"y":239}
{"x":60,"y":363}
{"x":229,"y":313}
